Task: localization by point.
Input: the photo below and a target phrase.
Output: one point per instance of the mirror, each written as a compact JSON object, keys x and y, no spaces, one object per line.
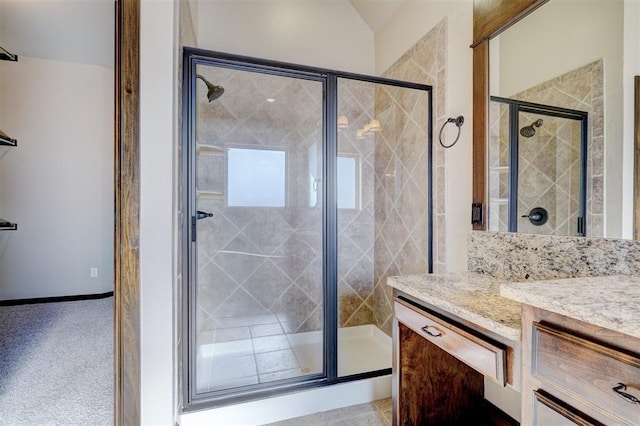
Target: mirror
{"x":573,"y":57}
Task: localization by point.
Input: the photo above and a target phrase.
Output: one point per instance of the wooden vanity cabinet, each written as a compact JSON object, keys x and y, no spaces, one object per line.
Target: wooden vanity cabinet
{"x":439,"y":367}
{"x":577,"y":373}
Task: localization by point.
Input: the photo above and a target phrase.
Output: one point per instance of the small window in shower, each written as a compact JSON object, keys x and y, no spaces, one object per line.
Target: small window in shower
{"x":256,"y":177}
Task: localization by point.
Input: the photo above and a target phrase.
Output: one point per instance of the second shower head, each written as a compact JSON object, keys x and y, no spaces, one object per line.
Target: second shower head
{"x":529,"y":131}
{"x":213,"y":91}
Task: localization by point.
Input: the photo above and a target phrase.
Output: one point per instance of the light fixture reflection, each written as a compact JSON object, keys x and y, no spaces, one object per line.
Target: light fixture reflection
{"x":374,"y":125}
{"x":343,"y":122}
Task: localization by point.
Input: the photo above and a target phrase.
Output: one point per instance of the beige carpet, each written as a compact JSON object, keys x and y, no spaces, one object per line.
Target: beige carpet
{"x":56,"y":363}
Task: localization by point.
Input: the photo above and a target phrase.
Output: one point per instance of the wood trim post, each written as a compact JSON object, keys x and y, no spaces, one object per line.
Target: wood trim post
{"x":127,"y":217}
{"x":480,"y":122}
{"x":489,"y":19}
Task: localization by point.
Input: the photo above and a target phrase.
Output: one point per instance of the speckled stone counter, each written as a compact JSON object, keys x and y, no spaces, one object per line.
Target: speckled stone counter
{"x":611,"y":302}
{"x":513,"y":257}
{"x":471,"y":296}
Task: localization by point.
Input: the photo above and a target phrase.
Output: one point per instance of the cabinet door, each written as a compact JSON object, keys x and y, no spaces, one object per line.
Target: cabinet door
{"x":547,"y":410}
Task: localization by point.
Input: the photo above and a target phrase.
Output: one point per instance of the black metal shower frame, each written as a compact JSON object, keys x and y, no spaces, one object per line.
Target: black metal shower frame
{"x":192,"y":57}
{"x":515,"y":108}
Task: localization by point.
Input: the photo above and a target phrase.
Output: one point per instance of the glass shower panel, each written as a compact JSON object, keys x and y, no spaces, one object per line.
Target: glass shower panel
{"x":259,"y":299}
{"x":549,"y":160}
{"x":382,"y":172}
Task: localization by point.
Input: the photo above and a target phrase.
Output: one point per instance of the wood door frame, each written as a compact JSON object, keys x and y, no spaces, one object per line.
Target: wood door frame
{"x":490,"y":18}
{"x":127,"y":214}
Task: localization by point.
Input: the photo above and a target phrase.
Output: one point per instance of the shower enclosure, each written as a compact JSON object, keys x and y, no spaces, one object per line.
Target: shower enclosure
{"x":537,"y":168}
{"x":303,"y":189}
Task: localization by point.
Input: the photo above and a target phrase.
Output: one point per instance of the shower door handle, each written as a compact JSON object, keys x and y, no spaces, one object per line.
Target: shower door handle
{"x":203,"y":215}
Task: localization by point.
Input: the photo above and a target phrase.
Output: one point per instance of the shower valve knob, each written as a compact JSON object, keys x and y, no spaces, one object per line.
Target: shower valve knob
{"x":537,"y":216}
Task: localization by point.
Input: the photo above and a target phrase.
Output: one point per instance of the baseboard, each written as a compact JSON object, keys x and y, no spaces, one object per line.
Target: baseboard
{"x":13,"y":302}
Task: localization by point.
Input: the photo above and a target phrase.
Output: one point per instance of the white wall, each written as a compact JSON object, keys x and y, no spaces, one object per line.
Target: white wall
{"x":631,"y":68}
{"x":327,"y":34}
{"x":412,"y":21}
{"x":158,"y":77}
{"x":562,"y":36}
{"x":58,"y":183}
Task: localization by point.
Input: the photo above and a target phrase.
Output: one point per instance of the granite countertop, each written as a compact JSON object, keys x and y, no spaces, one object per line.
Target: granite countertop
{"x":611,"y":302}
{"x":471,"y":296}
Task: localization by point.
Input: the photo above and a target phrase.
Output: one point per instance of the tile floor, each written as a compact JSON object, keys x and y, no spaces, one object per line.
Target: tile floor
{"x":242,"y":351}
{"x":377,"y":413}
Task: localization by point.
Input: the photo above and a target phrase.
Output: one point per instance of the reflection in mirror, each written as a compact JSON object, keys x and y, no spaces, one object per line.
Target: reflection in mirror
{"x":567,"y":55}
{"x":537,"y":166}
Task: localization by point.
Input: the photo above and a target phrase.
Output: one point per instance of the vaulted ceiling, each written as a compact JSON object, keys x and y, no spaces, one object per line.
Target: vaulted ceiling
{"x":82,"y":31}
{"x":376,"y":13}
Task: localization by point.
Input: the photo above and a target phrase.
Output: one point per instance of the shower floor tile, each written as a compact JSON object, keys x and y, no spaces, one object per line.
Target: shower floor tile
{"x":262,"y":330}
{"x":270,"y":362}
{"x":225,"y":369}
{"x":277,"y":342}
{"x":232,"y":333}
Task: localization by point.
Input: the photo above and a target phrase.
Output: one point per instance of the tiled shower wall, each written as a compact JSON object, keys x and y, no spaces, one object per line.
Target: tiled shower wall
{"x":255,"y":261}
{"x":259,"y":260}
{"x":548,"y":175}
{"x":581,"y":89}
{"x":401,"y":173}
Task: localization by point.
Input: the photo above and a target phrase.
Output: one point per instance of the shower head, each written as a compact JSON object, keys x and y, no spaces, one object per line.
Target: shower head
{"x":214,"y":92}
{"x":529,"y":131}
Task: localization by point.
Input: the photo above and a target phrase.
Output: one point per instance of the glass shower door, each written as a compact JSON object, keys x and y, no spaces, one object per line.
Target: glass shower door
{"x":259,"y":228}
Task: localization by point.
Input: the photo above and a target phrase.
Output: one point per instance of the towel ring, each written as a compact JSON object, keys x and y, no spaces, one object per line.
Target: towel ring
{"x":459,"y":121}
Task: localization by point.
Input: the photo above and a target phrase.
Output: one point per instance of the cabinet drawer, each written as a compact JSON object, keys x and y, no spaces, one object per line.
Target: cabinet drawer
{"x":549,"y":411}
{"x":479,"y":354}
{"x":593,"y":372}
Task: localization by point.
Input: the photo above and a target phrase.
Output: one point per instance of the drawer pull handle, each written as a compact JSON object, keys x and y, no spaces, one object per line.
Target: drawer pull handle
{"x":620,"y":390}
{"x":432,"y":331}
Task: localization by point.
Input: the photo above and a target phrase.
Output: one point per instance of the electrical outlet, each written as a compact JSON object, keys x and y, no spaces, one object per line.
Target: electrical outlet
{"x":93,"y":272}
